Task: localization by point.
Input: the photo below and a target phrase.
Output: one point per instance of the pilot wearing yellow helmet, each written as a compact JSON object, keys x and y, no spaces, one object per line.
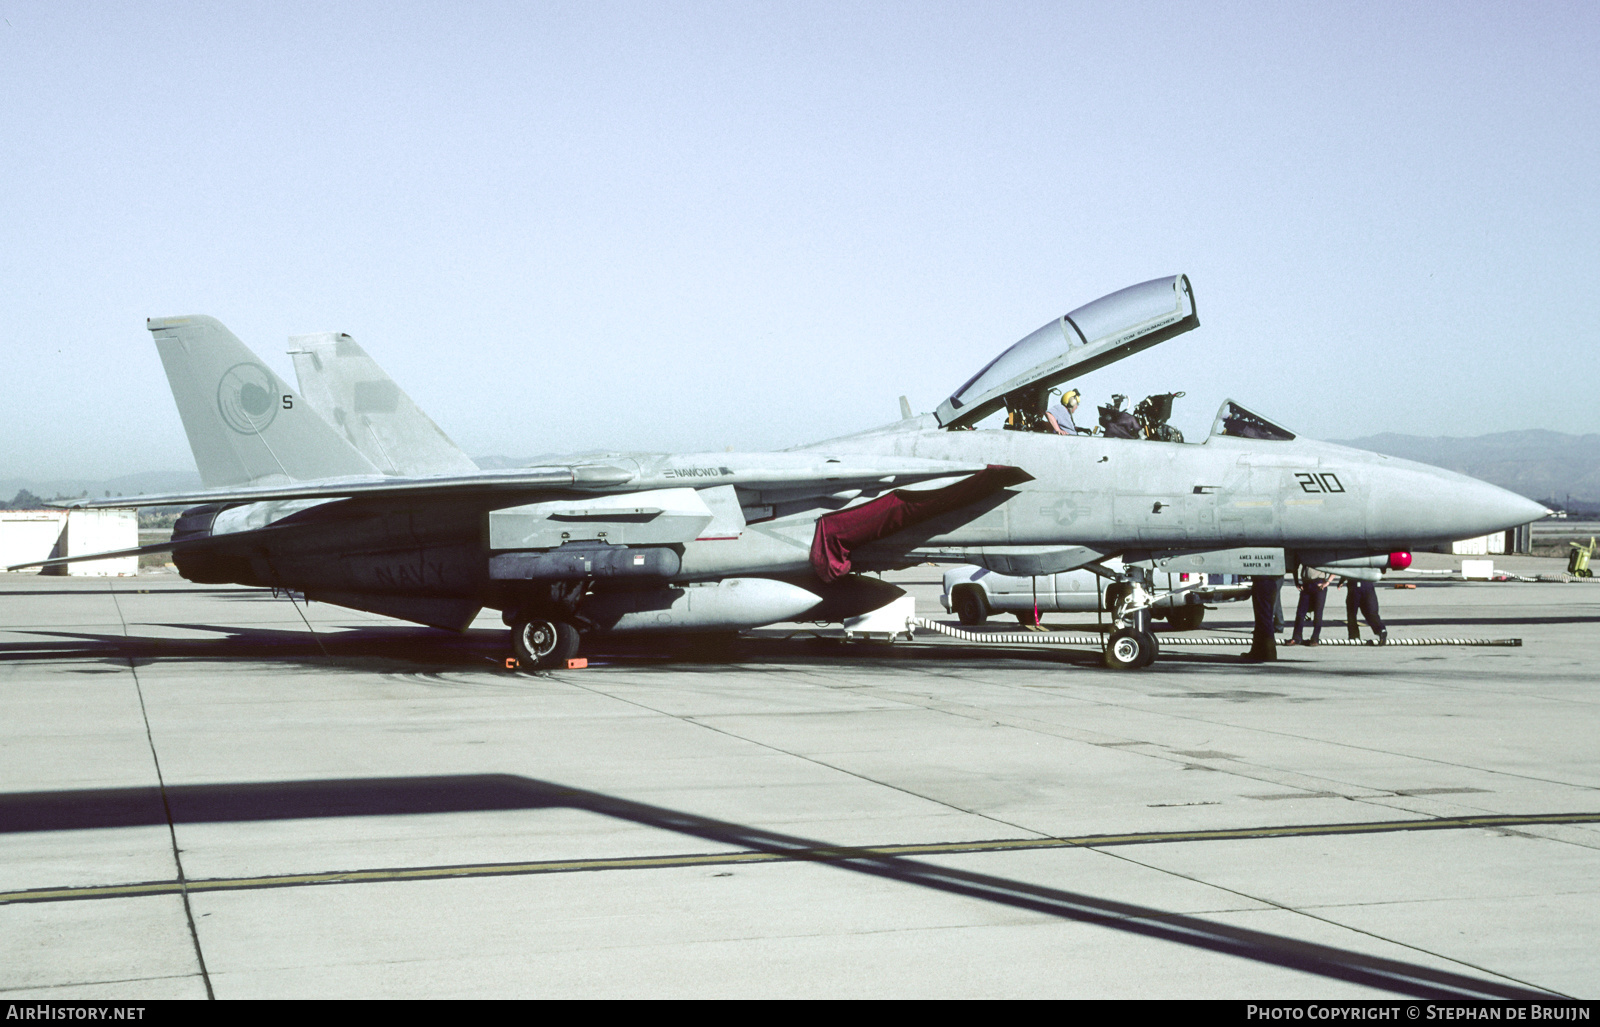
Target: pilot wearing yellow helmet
{"x":1062,"y":420}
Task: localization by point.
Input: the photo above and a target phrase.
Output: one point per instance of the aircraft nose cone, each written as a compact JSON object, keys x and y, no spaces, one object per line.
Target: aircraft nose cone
{"x":1430,"y":504}
{"x":1484,"y":507}
{"x":1529,"y":511}
{"x":1490,"y":508}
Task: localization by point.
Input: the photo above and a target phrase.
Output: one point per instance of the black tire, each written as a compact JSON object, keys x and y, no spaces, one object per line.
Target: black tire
{"x":1128,"y":649}
{"x":1186,"y":618}
{"x":1152,"y":649}
{"x":970,"y":606}
{"x":541,"y":643}
{"x":1027,"y":619}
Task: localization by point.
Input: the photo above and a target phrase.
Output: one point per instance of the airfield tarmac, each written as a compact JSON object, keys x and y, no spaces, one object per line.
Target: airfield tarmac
{"x":203,"y":797}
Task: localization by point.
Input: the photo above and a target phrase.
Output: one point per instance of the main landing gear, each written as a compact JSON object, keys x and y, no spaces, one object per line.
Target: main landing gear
{"x":542,"y":643}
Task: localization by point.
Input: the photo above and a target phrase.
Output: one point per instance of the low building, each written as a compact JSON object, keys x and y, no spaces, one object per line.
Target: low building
{"x":27,"y":535}
{"x":1512,"y":540}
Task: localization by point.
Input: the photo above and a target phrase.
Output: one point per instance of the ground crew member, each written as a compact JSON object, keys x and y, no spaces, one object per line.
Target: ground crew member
{"x":1263,"y":598}
{"x":1313,"y":597}
{"x":1363,"y":594}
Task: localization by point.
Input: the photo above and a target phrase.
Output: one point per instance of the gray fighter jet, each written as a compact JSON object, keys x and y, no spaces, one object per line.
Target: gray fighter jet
{"x":369,"y":506}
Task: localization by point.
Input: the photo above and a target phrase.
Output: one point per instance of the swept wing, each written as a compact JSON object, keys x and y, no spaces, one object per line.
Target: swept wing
{"x":792,"y":474}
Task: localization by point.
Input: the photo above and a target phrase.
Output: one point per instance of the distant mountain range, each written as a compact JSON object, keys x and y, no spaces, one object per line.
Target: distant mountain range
{"x":126,"y":485}
{"x":1535,"y":463}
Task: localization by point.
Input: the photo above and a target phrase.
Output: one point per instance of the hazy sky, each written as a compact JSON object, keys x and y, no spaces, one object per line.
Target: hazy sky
{"x":674,"y":226}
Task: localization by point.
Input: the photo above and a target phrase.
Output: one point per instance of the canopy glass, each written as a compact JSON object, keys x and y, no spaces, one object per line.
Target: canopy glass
{"x":1091,"y":336}
{"x":1236,"y":422}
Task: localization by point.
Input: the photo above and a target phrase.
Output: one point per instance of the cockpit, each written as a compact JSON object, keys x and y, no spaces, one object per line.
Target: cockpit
{"x":1236,"y":422}
{"x":1024,"y":377}
{"x":1090,"y":337}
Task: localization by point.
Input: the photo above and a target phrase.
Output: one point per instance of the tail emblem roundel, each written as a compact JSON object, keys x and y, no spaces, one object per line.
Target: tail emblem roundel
{"x":247,"y":398}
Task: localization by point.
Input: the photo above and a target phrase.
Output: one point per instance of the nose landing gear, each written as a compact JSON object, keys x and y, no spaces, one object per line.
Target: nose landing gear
{"x":1132,"y":645}
{"x":1130,"y":649}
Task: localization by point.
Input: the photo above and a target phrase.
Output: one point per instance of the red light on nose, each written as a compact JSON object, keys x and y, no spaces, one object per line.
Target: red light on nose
{"x":1399,"y":561}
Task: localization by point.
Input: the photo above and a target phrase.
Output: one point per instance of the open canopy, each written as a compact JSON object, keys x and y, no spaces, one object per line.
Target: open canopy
{"x":1090,"y":337}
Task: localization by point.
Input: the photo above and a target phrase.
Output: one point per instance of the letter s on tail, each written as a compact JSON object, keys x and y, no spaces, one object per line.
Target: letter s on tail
{"x":245,"y":425}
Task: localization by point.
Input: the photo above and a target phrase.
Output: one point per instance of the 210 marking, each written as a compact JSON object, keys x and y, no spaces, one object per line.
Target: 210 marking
{"x":1318,"y":482}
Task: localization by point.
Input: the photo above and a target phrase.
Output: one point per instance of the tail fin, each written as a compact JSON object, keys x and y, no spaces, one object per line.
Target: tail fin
{"x":351,"y":391}
{"x":244,"y":424}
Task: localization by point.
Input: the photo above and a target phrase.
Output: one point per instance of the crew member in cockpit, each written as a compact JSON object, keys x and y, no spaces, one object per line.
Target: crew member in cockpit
{"x":1062,"y":420}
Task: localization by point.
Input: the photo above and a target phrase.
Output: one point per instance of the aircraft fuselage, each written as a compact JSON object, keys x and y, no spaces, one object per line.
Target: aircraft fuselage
{"x":429,"y":560}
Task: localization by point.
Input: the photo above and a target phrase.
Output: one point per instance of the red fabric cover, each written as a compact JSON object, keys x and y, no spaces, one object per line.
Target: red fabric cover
{"x":1399,"y":561}
{"x":840,"y":532}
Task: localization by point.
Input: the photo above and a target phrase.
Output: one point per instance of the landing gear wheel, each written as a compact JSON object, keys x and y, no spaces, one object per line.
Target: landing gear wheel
{"x":1027,"y":619}
{"x":541,"y":644}
{"x":970,"y":606}
{"x":1186,"y":618}
{"x":1152,"y":650}
{"x":1128,"y":649}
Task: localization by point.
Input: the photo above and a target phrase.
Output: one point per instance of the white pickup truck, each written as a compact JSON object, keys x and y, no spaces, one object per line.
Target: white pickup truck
{"x":973,"y":593}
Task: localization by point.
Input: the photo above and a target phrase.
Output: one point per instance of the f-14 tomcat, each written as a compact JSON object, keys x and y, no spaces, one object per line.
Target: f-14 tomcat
{"x":357,"y":499}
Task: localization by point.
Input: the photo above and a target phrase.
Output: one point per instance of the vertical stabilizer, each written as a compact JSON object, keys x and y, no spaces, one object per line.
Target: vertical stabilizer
{"x":353,"y":393}
{"x":244,"y":424}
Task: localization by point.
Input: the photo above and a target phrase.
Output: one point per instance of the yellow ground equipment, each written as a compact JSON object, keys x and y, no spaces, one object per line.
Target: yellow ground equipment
{"x":1578,"y":562}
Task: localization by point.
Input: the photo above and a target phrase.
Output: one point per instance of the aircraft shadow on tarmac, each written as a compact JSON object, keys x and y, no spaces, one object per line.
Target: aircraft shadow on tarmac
{"x":291,"y":800}
{"x":426,"y":649}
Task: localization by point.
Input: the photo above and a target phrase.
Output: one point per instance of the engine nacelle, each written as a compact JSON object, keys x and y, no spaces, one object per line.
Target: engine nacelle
{"x":196,"y":522}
